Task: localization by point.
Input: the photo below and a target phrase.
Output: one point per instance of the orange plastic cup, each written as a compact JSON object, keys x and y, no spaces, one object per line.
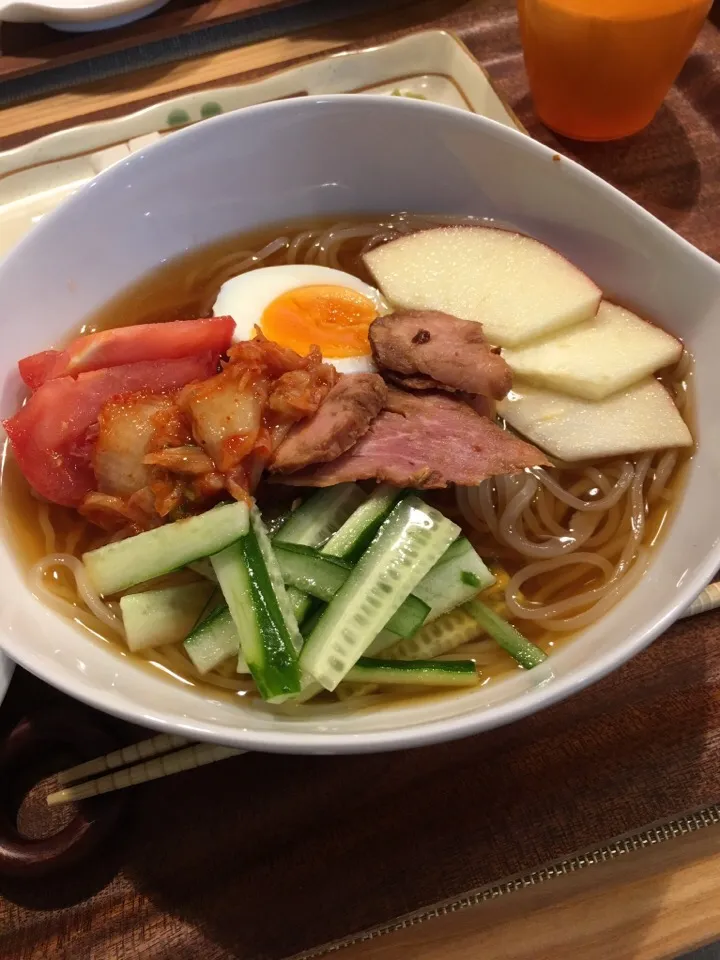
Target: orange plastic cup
{"x":600,"y":69}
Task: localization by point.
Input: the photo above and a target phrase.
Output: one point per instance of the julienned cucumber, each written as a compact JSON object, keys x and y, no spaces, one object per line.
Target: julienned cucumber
{"x":526,"y":653}
{"x":214,"y":640}
{"x":312,"y":523}
{"x":157,"y":617}
{"x":359,"y":528}
{"x":204,"y":568}
{"x":320,"y":516}
{"x":145,"y":556}
{"x":410,"y":541}
{"x":443,"y":635}
{"x":459,"y":575}
{"x":447,"y":633}
{"x":309,"y":571}
{"x":255,"y":595}
{"x":434,"y":673}
{"x":257,"y":527}
{"x":275,"y":523}
{"x":346,"y":513}
{"x":319,"y":576}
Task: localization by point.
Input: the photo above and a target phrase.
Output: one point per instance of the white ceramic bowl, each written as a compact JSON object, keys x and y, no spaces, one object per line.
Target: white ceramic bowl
{"x":6,"y":672}
{"x":357,"y":154}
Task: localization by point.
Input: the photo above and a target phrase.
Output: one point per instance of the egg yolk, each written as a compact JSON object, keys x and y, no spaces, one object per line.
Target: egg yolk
{"x":336,"y":319}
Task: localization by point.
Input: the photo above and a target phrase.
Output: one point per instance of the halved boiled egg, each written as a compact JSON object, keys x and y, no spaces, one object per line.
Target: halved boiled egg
{"x":299,"y":305}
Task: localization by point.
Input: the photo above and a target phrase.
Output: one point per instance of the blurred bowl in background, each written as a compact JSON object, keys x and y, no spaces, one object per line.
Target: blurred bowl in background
{"x":78,"y":16}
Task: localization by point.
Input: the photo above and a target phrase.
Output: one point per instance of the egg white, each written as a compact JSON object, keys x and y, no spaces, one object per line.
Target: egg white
{"x":246,"y":297}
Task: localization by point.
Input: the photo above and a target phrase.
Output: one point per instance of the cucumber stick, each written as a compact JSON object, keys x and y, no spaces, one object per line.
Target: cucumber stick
{"x":458,"y":576}
{"x":527,"y":654}
{"x":443,"y":635}
{"x":447,"y":633}
{"x":312,"y":523}
{"x":255,"y":594}
{"x":275,"y":523}
{"x":124,"y":564}
{"x":359,"y":528}
{"x":157,"y":617}
{"x":432,"y":673}
{"x":309,"y":571}
{"x":343,"y":511}
{"x":320,"y":516}
{"x":214,"y":640}
{"x":204,"y":568}
{"x":319,"y":576}
{"x":408,"y":544}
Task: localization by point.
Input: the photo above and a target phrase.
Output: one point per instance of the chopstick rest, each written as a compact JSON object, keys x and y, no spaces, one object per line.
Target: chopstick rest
{"x":31,"y":743}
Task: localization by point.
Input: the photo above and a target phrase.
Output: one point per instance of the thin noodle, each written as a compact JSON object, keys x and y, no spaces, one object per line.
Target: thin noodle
{"x":48,"y":531}
{"x":297,"y":243}
{"x":89,"y":597}
{"x":74,"y":537}
{"x":176,"y":660}
{"x":543,"y":567}
{"x":548,"y":481}
{"x":662,"y":473}
{"x":610,"y":598}
{"x":545,"y":505}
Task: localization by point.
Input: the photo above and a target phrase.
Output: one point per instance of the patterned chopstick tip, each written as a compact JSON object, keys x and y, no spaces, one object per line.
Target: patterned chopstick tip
{"x":709,"y":599}
{"x":144,"y":750}
{"x":197,"y":755}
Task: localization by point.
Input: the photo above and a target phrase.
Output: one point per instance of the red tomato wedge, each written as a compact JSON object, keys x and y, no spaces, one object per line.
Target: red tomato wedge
{"x":122,"y":345}
{"x":49,"y":434}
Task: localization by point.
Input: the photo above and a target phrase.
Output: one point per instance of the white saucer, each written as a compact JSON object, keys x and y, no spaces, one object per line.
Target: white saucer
{"x":78,"y":16}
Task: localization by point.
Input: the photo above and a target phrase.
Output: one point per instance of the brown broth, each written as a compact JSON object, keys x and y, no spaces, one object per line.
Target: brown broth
{"x":186,"y":288}
{"x":164,"y":295}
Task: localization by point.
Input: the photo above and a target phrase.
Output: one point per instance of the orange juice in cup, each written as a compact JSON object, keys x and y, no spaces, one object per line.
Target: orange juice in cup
{"x":599,"y":69}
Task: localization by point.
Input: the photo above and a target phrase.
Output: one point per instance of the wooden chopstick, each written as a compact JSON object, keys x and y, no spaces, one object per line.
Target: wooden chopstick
{"x":144,"y":750}
{"x":709,"y":599}
{"x":196,"y":755}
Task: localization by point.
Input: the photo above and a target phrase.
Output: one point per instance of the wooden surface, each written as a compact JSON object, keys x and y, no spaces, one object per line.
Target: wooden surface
{"x":344,"y":844}
{"x":261,"y":857}
{"x":651,"y":905}
{"x":31,"y":47}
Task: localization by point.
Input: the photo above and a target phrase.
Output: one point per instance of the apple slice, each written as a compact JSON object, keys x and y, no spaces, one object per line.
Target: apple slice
{"x":644,"y":417}
{"x":518,"y":288}
{"x":607,"y":353}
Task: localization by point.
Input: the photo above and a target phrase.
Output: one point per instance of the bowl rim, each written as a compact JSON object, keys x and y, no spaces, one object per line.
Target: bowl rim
{"x":420,"y":733}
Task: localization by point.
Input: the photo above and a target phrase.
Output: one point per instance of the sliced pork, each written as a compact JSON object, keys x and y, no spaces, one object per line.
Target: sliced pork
{"x":425,"y":441}
{"x":425,"y":350}
{"x":345,"y":415}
